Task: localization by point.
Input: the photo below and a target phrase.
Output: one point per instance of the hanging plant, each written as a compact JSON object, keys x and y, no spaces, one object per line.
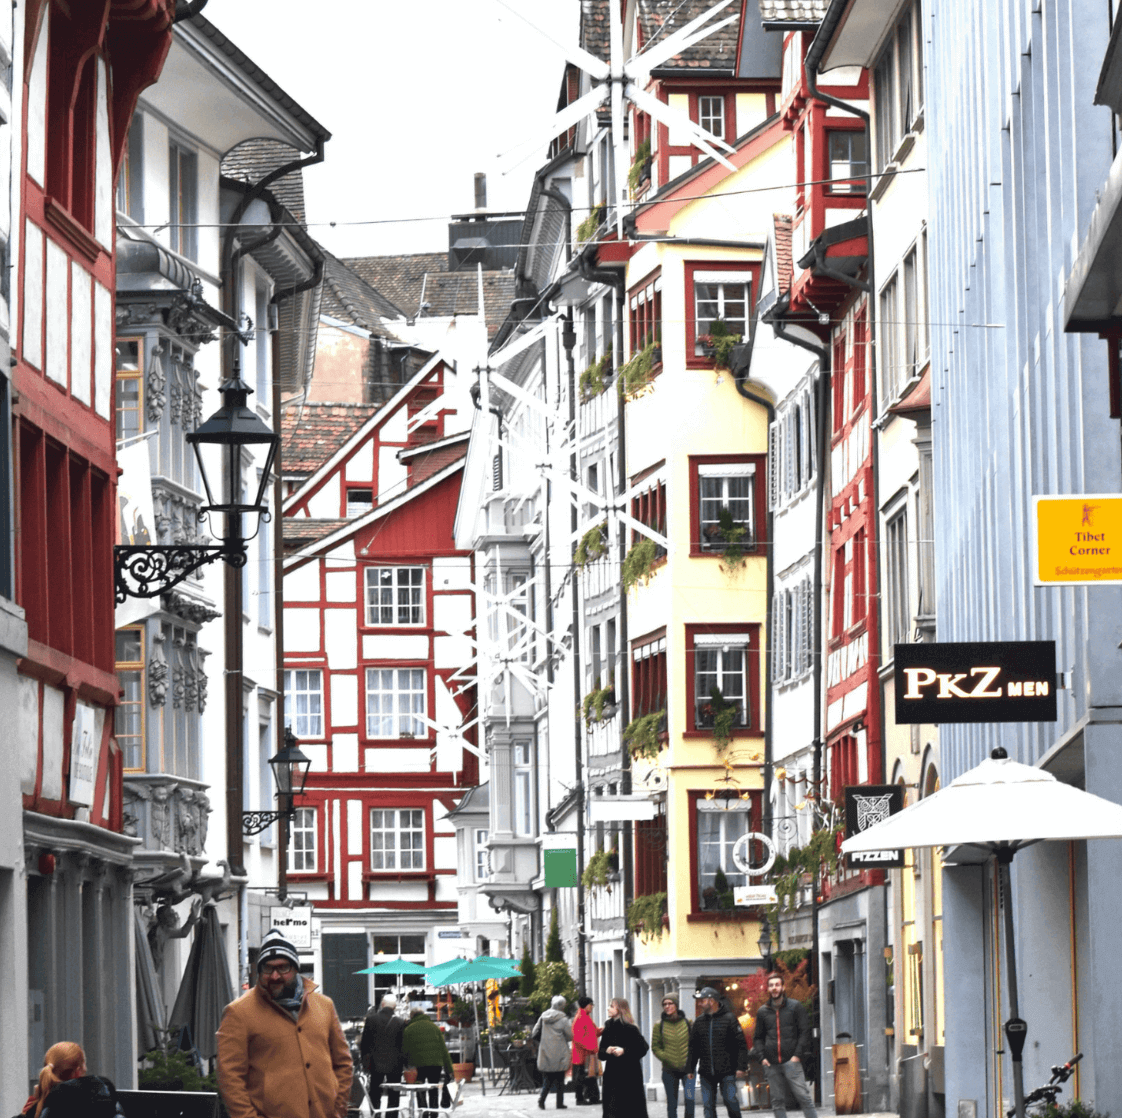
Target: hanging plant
{"x":593,"y":544}
{"x":718,"y":343}
{"x":596,"y":703}
{"x":818,"y":856}
{"x":635,"y":377}
{"x":640,"y":167}
{"x":596,"y":872}
{"x":638,"y":563}
{"x":642,"y":735}
{"x":724,"y":717}
{"x":587,"y":228}
{"x":645,"y":913}
{"x":594,"y":380}
{"x":733,"y":535}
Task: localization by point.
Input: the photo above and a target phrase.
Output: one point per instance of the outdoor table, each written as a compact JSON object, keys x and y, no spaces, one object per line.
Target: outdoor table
{"x":410,"y":1091}
{"x":521,"y":1077}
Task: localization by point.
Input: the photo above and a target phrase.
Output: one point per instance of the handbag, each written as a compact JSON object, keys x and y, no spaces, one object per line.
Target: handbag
{"x":593,"y":1068}
{"x":445,"y":1098}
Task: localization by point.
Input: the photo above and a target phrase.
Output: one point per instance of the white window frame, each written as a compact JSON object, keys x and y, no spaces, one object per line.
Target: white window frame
{"x":397,"y":840}
{"x":303,"y":853}
{"x":724,"y":281}
{"x":415,"y":597}
{"x":724,"y":645}
{"x":183,"y":198}
{"x":707,"y":114}
{"x":723,"y":472}
{"x":522,"y":761}
{"x":842,"y":170}
{"x":481,"y":855}
{"x":407,"y":691}
{"x":717,"y":815}
{"x":897,"y":575}
{"x":305,"y":723}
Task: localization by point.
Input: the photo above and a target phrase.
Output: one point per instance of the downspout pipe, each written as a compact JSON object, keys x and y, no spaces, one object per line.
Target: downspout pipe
{"x":749,"y":393}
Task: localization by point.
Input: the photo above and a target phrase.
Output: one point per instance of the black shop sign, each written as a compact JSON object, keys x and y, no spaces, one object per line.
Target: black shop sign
{"x":865,"y":806}
{"x":968,"y":681}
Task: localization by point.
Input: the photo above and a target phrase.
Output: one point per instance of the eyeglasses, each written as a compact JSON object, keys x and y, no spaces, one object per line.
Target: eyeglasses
{"x":669,"y":1003}
{"x":280,"y":969}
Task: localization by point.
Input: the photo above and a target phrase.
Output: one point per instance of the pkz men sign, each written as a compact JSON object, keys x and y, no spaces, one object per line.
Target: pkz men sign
{"x":993,"y":681}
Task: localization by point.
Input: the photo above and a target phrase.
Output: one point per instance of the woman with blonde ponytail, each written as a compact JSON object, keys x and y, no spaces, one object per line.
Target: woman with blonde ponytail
{"x":67,"y":1090}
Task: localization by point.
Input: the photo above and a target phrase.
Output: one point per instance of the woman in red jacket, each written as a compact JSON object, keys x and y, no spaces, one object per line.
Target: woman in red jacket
{"x":585,"y":1042}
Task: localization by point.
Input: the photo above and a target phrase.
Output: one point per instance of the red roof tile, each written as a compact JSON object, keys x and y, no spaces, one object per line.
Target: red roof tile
{"x":784,"y":263}
{"x":311,"y":433}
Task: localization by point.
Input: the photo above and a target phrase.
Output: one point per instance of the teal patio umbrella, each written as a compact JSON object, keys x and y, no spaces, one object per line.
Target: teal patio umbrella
{"x":394,"y":966}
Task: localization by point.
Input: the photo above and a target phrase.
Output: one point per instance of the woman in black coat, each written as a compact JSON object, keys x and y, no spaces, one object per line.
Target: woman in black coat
{"x":622,"y":1048}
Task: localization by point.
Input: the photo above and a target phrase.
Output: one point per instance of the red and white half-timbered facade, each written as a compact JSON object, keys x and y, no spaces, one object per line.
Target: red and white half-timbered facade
{"x":378,"y":631}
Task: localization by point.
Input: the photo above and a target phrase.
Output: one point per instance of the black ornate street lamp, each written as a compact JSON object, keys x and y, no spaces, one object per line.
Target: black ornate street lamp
{"x":147,"y":571}
{"x":764,"y":943}
{"x":290,"y":771}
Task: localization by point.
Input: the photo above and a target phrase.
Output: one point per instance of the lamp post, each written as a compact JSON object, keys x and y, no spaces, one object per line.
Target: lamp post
{"x":290,"y":771}
{"x":147,"y":571}
{"x":764,"y":943}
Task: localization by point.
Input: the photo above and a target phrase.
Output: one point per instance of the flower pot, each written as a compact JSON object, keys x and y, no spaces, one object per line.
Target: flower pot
{"x":409,"y":1075}
{"x":463,"y":1071}
{"x":518,"y":1043}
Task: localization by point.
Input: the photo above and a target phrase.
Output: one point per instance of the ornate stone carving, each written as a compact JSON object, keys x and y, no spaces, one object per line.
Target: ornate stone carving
{"x":179,"y":673}
{"x":202,"y":653}
{"x":190,"y":609}
{"x":156,"y":384}
{"x":157,"y":672}
{"x":159,"y":815}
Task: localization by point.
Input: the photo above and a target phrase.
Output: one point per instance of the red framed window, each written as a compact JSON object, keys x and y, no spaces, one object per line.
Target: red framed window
{"x":649,"y":508}
{"x":716,"y":290}
{"x":841,"y":405}
{"x":395,"y":595}
{"x":644,"y":314}
{"x":718,"y":823}
{"x":725,"y":658}
{"x":650,"y":856}
{"x":849,"y":586}
{"x":860,"y":357}
{"x":648,"y":673}
{"x":726,"y":487}
{"x":848,"y":156}
{"x":397,"y":701}
{"x":843,"y":766}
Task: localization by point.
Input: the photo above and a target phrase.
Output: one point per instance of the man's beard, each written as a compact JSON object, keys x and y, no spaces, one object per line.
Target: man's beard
{"x":288,"y":990}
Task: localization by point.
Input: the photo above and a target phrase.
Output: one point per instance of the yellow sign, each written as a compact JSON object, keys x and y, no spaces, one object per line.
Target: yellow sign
{"x":1078,"y":539}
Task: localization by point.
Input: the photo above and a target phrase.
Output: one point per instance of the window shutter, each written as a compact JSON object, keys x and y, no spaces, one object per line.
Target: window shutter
{"x":772,"y":465}
{"x":773,"y":636}
{"x":812,"y":428}
{"x":806,"y":628}
{"x":497,"y":472}
{"x":788,"y":456}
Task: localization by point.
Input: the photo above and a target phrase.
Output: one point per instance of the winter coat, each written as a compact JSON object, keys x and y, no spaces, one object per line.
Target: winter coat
{"x":586,"y":1036}
{"x":554,"y":1034}
{"x":624,"y":1093}
{"x":670,"y":1041}
{"x":271,"y":1066}
{"x":783,"y":1033}
{"x":89,"y":1096}
{"x":422,"y":1044}
{"x":380,"y":1046}
{"x":717,"y":1046}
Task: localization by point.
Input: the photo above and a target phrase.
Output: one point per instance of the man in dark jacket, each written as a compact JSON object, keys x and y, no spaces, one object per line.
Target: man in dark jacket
{"x":380,"y":1050}
{"x":781,"y":1040}
{"x":718,"y":1053}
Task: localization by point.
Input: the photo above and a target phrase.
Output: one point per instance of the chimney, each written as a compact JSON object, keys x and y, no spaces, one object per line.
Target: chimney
{"x":480,"y":190}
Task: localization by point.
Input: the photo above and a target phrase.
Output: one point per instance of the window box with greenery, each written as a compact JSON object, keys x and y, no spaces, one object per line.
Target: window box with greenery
{"x":805,"y":865}
{"x":647,"y":916}
{"x":599,"y":704}
{"x":635,"y":377}
{"x":646,"y":735}
{"x":718,"y":343}
{"x":718,"y":306}
{"x":593,"y":544}
{"x":727,"y":507}
{"x":638,"y":563}
{"x":595,"y":379}
{"x":640,"y":172}
{"x":722,"y":680}
{"x":588,"y":228}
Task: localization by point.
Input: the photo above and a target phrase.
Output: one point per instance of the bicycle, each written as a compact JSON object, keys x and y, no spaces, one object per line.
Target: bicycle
{"x":1048,"y":1094}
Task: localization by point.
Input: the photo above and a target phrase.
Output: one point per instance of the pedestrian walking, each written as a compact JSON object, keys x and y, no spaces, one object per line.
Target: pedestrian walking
{"x":281,"y":1050}
{"x":586,"y":1063}
{"x":718,"y":1053}
{"x":670,"y":1042}
{"x":782,"y":1040}
{"x":622,"y":1047}
{"x":67,"y":1090}
{"x":554,"y":1035}
{"x":422,"y":1044}
{"x":379,"y":1049}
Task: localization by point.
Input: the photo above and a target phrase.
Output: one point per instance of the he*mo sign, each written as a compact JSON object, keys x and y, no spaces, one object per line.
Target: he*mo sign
{"x":993,"y":681}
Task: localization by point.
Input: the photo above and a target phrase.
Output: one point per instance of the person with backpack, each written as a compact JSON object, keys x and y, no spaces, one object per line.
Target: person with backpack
{"x":670,"y":1042}
{"x":67,"y":1090}
{"x":718,"y":1053}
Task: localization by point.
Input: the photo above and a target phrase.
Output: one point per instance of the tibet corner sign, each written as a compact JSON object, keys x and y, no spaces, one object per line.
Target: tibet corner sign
{"x":1077,"y":540}
{"x":992,"y":681}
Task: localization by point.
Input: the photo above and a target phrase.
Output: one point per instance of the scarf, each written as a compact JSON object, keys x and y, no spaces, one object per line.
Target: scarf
{"x":292,"y":1004}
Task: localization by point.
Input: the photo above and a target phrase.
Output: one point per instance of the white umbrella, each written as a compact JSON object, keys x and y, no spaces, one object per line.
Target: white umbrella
{"x":998,"y":806}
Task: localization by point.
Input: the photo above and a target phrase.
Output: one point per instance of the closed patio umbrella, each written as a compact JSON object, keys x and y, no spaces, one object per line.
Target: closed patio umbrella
{"x":206,"y":988}
{"x":998,"y":807}
{"x":150,"y":1023}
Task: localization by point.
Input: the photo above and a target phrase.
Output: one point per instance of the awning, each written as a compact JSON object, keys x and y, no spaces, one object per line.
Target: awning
{"x":150,"y":1022}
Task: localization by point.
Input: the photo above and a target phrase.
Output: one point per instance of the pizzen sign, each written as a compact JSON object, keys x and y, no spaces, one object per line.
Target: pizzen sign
{"x":995,"y":681}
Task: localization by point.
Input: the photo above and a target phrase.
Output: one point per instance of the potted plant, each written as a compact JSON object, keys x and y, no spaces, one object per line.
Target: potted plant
{"x":722,"y":716}
{"x":592,"y":545}
{"x":596,"y":871}
{"x":518,"y":1037}
{"x":733,"y":536}
{"x":638,"y":563}
{"x":643,"y":736}
{"x":599,"y":704}
{"x":640,"y":171}
{"x":594,"y":379}
{"x":587,"y":228}
{"x":718,"y":343}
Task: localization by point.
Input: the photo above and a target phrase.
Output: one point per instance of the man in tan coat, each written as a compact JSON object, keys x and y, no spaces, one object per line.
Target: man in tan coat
{"x":281,"y":1051}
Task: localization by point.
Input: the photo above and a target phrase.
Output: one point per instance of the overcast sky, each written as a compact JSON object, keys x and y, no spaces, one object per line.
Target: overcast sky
{"x":418,"y":95}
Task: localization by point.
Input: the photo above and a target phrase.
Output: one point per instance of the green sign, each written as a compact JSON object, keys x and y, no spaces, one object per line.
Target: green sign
{"x":560,"y":868}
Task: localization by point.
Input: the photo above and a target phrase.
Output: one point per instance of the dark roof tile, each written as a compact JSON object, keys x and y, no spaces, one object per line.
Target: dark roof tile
{"x":299,"y":532}
{"x":659,"y":19}
{"x":252,"y":160}
{"x":793,"y":11}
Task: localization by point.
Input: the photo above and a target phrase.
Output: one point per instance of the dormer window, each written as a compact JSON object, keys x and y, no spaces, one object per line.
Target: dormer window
{"x":711,"y":115}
